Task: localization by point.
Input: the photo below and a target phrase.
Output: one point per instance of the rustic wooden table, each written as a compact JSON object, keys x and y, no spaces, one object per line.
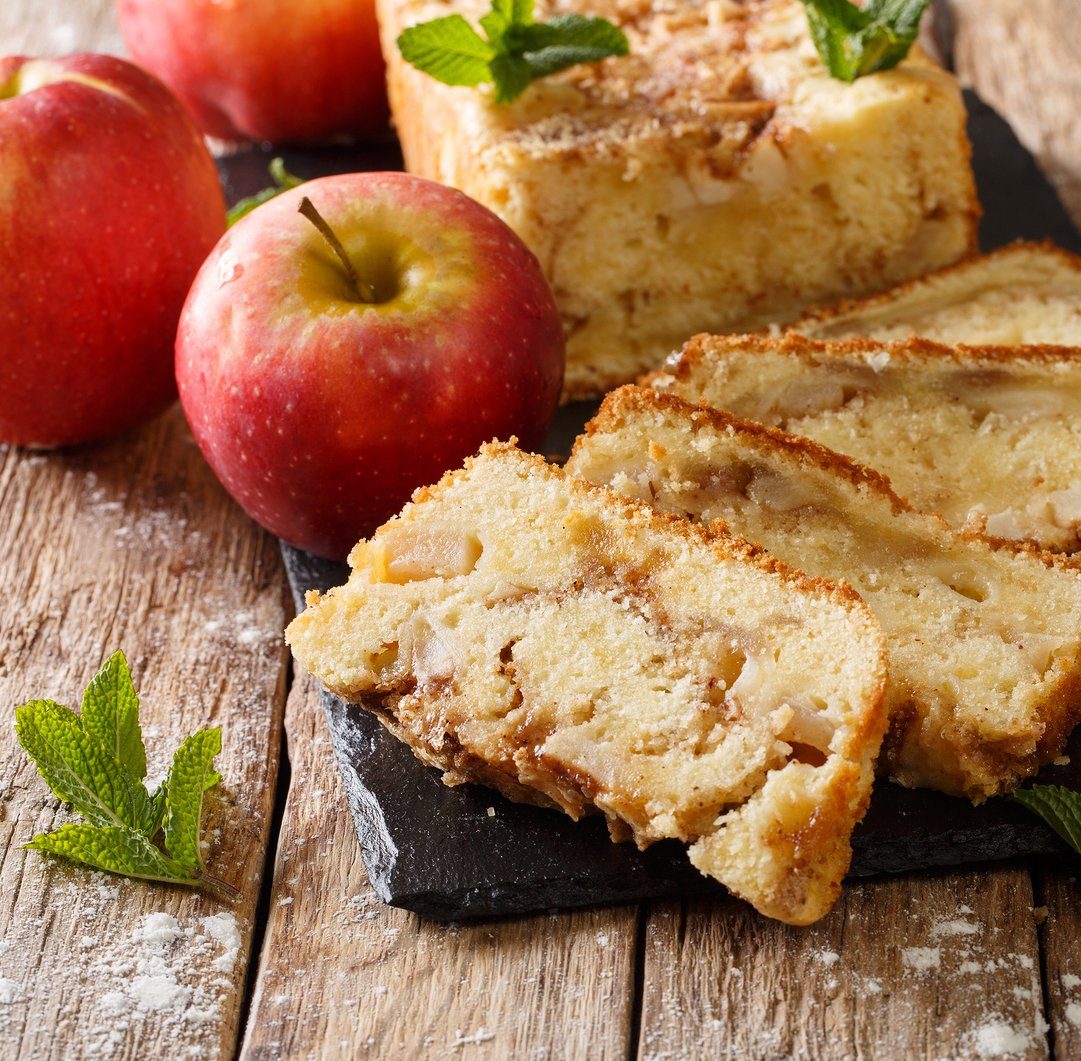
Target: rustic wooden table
{"x":134,"y":544}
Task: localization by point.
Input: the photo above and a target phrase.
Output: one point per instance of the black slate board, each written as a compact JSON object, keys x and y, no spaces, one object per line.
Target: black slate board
{"x":438,"y":851}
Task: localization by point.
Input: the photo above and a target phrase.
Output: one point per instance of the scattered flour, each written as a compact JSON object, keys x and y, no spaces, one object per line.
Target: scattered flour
{"x":956,"y":927}
{"x":828,"y":957}
{"x":223,"y":928}
{"x":478,"y":1037}
{"x":287,"y":901}
{"x":10,"y":991}
{"x":1073,"y":1014}
{"x":602,"y":939}
{"x":1069,"y":981}
{"x":174,"y":975}
{"x":921,"y":959}
{"x":996,"y":1038}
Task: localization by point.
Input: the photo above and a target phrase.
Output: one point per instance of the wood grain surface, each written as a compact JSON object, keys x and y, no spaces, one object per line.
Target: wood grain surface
{"x":55,"y":27}
{"x":929,"y":965}
{"x":134,"y":545}
{"x":1024,"y":58}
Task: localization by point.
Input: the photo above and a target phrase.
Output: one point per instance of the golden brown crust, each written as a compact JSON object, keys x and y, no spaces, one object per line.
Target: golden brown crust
{"x":824,"y":315}
{"x":699,"y":346}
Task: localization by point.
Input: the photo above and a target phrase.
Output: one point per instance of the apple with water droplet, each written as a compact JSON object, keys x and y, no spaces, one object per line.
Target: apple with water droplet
{"x":332,"y":361}
{"x":109,"y":202}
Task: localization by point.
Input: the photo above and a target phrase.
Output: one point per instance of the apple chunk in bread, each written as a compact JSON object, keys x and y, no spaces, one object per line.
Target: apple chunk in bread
{"x":575,"y":649}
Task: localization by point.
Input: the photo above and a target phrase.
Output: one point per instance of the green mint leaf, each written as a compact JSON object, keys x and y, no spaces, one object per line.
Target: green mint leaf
{"x":111,"y":714}
{"x":448,"y":49}
{"x":114,"y":849}
{"x":283,"y":181}
{"x":511,"y":74}
{"x":1059,"y":807}
{"x":79,"y":769}
{"x":853,"y":42}
{"x":189,"y":777}
{"x":566,"y":40}
{"x":517,"y":51}
{"x":504,"y":14}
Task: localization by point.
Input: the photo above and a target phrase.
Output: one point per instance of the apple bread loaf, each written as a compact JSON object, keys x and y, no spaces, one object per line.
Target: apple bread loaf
{"x":984,"y":638}
{"x":572,"y":648}
{"x":989,"y":437}
{"x":716,"y":178}
{"x":1025,"y":293}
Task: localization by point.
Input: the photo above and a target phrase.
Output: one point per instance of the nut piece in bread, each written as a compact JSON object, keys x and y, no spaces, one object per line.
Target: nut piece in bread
{"x":570,"y":647}
{"x":988,"y":437}
{"x":1026,"y":293}
{"x":716,"y":178}
{"x":984,"y":639}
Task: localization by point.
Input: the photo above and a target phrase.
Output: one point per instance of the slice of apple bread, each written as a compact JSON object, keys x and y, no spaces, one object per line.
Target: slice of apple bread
{"x":984,"y":638}
{"x":570,"y":647}
{"x":989,"y":437}
{"x":1023,"y":293}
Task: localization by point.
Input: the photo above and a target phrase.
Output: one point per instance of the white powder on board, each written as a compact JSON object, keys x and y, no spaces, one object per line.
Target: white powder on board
{"x":998,"y":1038}
{"x":921,"y":959}
{"x":10,"y":991}
{"x":223,"y":928}
{"x":956,"y":927}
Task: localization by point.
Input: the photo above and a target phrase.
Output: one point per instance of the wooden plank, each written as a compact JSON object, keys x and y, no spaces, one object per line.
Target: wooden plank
{"x":1024,"y":58}
{"x":930,"y":966}
{"x":133,"y":544}
{"x":55,"y":27}
{"x":343,"y":975}
{"x":1057,"y":891}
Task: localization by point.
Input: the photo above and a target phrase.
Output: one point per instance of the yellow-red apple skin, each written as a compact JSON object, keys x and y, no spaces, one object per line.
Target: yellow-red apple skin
{"x":109,"y":202}
{"x":321,"y":414}
{"x":296,"y":71}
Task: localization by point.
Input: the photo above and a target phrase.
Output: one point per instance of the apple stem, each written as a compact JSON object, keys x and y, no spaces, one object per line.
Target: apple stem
{"x":364,"y":291}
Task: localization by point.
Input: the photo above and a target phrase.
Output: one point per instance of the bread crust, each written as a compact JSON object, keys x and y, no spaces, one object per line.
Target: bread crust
{"x":1045,"y":248}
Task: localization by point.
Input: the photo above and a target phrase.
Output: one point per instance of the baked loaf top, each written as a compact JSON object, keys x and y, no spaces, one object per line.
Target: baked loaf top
{"x":1024,"y":293}
{"x":568,"y":646}
{"x":989,"y":437}
{"x":711,"y":74}
{"x":984,"y":639}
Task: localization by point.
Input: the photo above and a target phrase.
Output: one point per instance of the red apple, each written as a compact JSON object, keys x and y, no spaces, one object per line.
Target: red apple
{"x":285,"y":70}
{"x":109,"y":202}
{"x":322,"y":402}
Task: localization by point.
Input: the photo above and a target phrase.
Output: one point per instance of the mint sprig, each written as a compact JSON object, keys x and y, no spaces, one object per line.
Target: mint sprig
{"x":514,"y":51}
{"x":96,"y":762}
{"x":283,"y":181}
{"x":855,"y":41}
{"x":1059,"y":807}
